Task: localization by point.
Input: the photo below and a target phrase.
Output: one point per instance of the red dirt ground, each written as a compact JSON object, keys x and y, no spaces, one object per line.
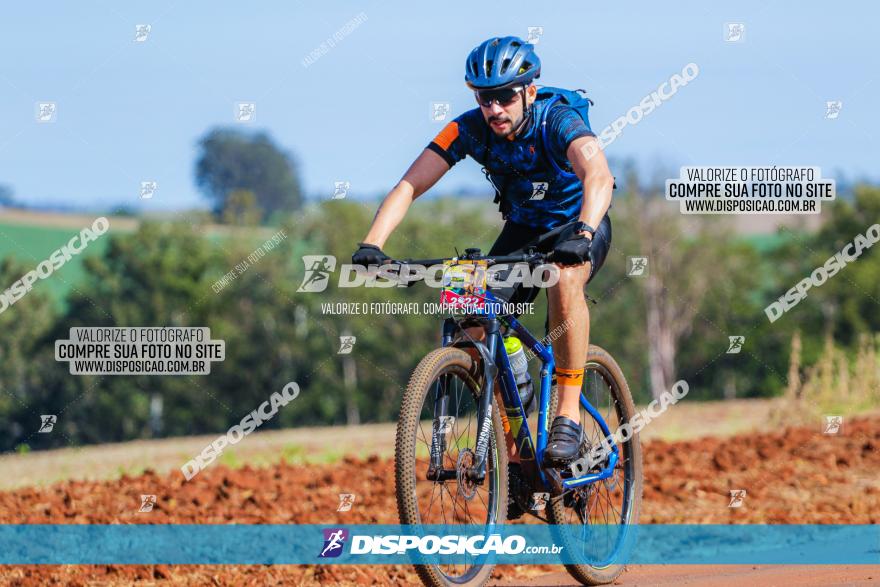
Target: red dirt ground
{"x":797,"y":475}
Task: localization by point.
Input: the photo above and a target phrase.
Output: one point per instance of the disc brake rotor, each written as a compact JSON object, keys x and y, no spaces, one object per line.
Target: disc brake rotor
{"x":466,"y":488}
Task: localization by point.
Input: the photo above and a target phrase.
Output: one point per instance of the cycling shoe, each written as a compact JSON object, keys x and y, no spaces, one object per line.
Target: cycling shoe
{"x":564,"y":445}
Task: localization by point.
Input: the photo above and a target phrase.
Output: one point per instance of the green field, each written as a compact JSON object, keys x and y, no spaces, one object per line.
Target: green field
{"x":31,"y":237}
{"x":31,"y":244}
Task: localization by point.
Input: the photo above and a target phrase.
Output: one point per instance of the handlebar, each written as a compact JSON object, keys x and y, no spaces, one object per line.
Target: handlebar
{"x":531,"y":257}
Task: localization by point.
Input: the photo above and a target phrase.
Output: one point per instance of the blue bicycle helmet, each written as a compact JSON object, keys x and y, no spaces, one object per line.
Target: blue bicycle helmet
{"x":501,"y":62}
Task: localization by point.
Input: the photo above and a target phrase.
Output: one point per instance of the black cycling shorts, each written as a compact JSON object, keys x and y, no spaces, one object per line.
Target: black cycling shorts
{"x":518,"y":238}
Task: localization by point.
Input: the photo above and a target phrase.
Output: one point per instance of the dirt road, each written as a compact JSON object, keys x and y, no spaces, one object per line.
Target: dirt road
{"x":792,"y":476}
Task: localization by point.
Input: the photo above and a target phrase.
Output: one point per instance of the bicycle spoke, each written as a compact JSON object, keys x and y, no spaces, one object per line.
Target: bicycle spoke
{"x":601,"y":503}
{"x":453,"y":499}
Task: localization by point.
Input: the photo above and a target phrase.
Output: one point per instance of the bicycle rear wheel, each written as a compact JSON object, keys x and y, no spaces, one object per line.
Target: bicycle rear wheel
{"x":451,"y":372}
{"x":615,"y":501}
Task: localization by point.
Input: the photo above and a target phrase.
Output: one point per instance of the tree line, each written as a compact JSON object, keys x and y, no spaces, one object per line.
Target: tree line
{"x":703,"y":284}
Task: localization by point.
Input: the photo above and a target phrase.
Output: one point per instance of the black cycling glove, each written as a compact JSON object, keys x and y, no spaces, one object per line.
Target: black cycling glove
{"x":572,"y":251}
{"x":368,"y":254}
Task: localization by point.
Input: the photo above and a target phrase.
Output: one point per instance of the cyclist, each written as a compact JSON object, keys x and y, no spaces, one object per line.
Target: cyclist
{"x":557,"y":205}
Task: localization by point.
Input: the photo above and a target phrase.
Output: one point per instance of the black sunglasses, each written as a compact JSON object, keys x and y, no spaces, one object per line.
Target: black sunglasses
{"x":504,"y":96}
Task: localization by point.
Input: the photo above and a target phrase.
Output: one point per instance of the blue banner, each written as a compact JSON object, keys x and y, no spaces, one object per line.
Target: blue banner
{"x":438,"y":544}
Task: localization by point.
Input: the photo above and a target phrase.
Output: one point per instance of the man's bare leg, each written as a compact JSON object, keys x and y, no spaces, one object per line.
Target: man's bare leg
{"x":569,"y":313}
{"x":570,"y":316}
{"x":568,"y":303}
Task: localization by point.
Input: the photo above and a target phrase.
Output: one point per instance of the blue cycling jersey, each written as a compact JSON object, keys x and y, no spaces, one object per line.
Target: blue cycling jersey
{"x":529,"y":188}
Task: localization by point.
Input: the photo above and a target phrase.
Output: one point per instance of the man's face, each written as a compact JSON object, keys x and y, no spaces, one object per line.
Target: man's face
{"x":505,"y":110}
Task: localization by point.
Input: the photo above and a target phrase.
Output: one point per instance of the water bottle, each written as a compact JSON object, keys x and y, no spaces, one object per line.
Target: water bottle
{"x":520,"y":366}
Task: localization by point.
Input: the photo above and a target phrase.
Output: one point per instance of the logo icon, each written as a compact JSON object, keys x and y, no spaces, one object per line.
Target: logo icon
{"x":832,"y":109}
{"x":539,"y":501}
{"x":346,"y":500}
{"x":47,"y":423}
{"x":245,"y":112}
{"x":440,"y":110}
{"x":445,"y":424}
{"x":637,"y":266}
{"x":734,"y":32}
{"x":318,"y":270}
{"x":833,"y":424}
{"x":148,"y":188}
{"x":737,"y":496}
{"x":340,"y":189}
{"x":539,"y":190}
{"x":346,"y":345}
{"x":147,"y":503}
{"x":736,"y":344}
{"x":334,"y":539}
{"x":47,"y":112}
{"x":534,"y":36}
{"x":141,"y":32}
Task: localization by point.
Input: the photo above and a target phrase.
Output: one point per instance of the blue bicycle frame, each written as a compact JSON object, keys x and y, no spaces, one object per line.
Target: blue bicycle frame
{"x":496,"y":362}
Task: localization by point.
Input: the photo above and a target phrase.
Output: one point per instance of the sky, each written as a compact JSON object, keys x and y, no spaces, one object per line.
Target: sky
{"x":128,"y":111}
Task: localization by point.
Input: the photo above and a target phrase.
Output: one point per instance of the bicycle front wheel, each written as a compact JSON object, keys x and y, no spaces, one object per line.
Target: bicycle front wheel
{"x":448,"y":377}
{"x":602,"y":510}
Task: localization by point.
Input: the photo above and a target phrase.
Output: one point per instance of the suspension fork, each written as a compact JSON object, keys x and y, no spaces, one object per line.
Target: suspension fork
{"x":493,"y":335}
{"x":441,"y":406}
{"x":477,"y":472}
{"x":438,"y":432}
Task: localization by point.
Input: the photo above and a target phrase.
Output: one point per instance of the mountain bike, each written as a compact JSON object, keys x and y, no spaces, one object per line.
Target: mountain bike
{"x":451,"y":462}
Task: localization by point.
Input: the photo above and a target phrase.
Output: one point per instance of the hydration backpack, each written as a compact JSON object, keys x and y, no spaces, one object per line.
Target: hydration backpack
{"x":574,"y":98}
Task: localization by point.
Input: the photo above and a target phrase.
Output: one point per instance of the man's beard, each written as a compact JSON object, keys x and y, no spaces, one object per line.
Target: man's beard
{"x":508,"y":130}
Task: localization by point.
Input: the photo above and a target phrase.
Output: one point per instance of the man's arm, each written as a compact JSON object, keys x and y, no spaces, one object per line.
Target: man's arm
{"x":425,"y":171}
{"x":591,"y":167}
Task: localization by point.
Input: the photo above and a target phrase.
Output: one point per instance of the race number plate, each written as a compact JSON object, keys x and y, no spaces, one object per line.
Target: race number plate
{"x":464,"y":285}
